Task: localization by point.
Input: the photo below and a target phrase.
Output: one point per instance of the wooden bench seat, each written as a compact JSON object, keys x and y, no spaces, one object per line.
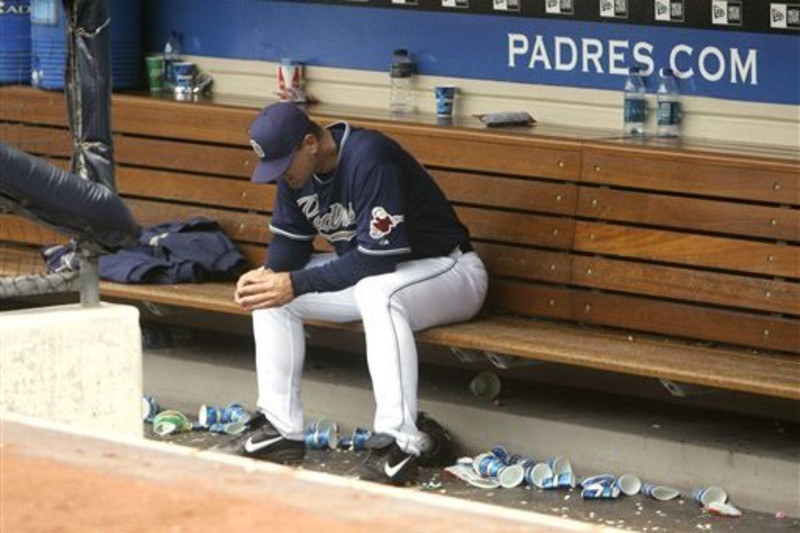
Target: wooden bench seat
{"x":645,"y":258}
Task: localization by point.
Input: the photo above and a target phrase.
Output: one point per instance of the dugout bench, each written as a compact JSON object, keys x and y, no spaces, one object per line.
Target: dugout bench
{"x":665,"y":259}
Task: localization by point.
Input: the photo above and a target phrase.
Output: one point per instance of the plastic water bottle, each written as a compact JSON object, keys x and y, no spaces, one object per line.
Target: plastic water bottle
{"x":635,"y":106}
{"x":172,"y":54}
{"x":400,"y":78}
{"x":669,"y":106}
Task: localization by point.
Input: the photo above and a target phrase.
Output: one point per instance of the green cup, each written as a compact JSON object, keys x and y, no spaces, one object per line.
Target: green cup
{"x":155,"y":72}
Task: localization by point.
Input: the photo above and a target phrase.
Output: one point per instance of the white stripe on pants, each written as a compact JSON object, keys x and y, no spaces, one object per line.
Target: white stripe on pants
{"x":417,"y":295}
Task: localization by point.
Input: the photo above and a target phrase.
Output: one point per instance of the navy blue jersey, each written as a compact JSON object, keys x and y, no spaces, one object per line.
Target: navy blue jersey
{"x":378,"y":202}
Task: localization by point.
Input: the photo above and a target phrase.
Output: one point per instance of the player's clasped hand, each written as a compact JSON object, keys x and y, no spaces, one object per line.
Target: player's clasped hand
{"x":262,"y":288}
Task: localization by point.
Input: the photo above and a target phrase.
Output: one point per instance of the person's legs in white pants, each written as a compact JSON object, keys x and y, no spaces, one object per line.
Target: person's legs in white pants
{"x":418,"y":295}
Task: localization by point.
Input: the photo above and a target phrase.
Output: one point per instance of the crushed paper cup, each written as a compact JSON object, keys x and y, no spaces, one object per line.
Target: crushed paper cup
{"x":659,"y":492}
{"x":605,"y":479}
{"x":600,"y":491}
{"x":488,"y":465}
{"x":499,"y":451}
{"x":208,"y":415}
{"x":708,"y":495}
{"x":170,"y":421}
{"x":722,"y":509}
{"x":466,"y":473}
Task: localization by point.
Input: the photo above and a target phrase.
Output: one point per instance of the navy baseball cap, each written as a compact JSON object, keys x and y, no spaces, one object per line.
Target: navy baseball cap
{"x":275,"y":135}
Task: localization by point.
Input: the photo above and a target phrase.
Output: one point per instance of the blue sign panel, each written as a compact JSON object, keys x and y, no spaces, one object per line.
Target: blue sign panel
{"x":735,"y":65}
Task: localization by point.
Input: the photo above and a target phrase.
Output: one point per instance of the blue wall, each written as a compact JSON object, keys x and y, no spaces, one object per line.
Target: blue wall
{"x":723,"y":64}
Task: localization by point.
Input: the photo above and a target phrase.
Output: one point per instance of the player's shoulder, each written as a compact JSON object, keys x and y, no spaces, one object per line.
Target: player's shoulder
{"x":372,"y":143}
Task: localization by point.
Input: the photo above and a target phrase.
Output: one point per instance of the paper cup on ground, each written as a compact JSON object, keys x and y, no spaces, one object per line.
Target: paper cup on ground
{"x":149,"y":408}
{"x":659,"y":492}
{"x":170,"y":421}
{"x":722,"y":509}
{"x":486,"y":385}
{"x":566,"y":479}
{"x":445,"y":96}
{"x":603,"y":479}
{"x":559,"y":465}
{"x":235,"y":413}
{"x":511,"y":476}
{"x":707,"y":495}
{"x":600,"y":491}
{"x":538,"y":474}
{"x":629,"y":484}
{"x":208,"y":415}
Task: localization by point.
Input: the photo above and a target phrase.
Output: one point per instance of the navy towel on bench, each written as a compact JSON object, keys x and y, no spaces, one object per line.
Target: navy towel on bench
{"x":174,"y":252}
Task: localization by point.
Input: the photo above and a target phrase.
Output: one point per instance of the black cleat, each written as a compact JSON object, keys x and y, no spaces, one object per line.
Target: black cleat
{"x":262,"y":441}
{"x":387,"y":463}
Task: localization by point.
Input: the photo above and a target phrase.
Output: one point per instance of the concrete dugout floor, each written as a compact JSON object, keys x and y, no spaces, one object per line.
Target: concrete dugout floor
{"x":682,"y":446}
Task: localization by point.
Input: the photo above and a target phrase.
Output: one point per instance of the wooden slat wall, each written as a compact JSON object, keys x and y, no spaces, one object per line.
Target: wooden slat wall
{"x":674,"y":242}
{"x":716,"y":239}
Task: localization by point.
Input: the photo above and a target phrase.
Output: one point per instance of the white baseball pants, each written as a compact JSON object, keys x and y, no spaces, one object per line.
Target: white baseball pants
{"x":419,"y":294}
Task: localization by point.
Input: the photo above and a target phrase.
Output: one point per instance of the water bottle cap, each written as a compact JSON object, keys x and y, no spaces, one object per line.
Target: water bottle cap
{"x":668,"y":72}
{"x":400,"y":52}
{"x":635,"y":69}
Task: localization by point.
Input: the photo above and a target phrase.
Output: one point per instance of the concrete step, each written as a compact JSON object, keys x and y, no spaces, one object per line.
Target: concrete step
{"x":755,"y":459}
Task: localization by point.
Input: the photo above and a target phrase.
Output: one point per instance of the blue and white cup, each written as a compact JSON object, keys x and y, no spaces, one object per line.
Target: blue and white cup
{"x":235,"y":413}
{"x":600,"y":491}
{"x":511,"y":476}
{"x":525,"y":462}
{"x":566,"y":479}
{"x":707,"y":495}
{"x":487,"y":465}
{"x":184,"y":72}
{"x":208,"y":416}
{"x":322,"y":434}
{"x":628,"y":484}
{"x":149,"y":408}
{"x":502,"y":454}
{"x":360,"y":438}
{"x":659,"y":492}
{"x":559,"y":465}
{"x":599,"y":479}
{"x":445,"y":96}
{"x":538,"y":474}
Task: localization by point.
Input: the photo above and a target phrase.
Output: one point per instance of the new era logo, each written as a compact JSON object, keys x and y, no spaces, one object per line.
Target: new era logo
{"x":726,"y":12}
{"x":669,"y":10}
{"x":784,"y":16}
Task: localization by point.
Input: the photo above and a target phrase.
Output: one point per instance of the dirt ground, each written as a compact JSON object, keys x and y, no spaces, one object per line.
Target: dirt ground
{"x":56,"y":481}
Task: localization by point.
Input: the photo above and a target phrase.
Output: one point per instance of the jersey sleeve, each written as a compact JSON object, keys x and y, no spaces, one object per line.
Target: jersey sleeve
{"x":287,"y":218}
{"x":381,"y":201}
{"x":286,"y":254}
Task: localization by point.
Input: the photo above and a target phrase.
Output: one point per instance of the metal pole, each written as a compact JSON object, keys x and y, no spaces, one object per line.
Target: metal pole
{"x":90,"y":278}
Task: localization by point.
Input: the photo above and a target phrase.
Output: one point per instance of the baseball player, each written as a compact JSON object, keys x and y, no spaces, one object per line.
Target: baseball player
{"x":402,"y":263}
